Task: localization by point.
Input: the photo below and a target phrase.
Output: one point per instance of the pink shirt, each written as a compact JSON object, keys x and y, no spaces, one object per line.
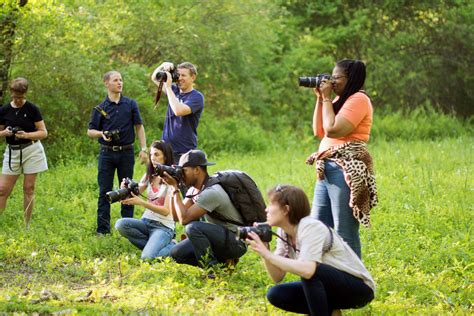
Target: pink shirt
{"x":358,"y":110}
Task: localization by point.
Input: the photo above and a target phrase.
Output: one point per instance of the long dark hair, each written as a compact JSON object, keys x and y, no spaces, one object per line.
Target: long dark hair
{"x":355,"y":72}
{"x":167,"y":152}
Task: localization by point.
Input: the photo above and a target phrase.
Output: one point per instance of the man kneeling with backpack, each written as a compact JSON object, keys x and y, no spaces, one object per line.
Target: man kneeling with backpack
{"x":213,"y":241}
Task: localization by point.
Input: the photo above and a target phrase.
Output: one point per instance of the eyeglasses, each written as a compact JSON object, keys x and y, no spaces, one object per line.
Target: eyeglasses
{"x":337,"y":77}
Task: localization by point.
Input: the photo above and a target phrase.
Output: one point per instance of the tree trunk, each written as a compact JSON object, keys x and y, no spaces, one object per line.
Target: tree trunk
{"x":7,"y":37}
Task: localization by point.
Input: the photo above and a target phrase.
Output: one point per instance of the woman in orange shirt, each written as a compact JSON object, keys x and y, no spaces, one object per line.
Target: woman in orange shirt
{"x":345,"y":191}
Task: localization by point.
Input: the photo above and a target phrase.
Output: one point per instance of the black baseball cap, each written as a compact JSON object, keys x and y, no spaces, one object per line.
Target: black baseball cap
{"x":194,"y":158}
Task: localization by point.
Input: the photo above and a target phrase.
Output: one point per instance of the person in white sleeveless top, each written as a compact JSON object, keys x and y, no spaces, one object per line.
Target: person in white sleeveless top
{"x":154,"y":232}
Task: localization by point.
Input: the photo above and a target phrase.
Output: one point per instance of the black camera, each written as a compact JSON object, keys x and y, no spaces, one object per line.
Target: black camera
{"x":174,"y":171}
{"x":122,"y":194}
{"x":161,"y":75}
{"x":313,"y":82}
{"x":113,"y":134}
{"x":14,"y":129}
{"x":263,"y":230}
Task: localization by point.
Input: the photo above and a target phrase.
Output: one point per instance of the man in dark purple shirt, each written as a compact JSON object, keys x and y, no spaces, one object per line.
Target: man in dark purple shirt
{"x":185,"y":105}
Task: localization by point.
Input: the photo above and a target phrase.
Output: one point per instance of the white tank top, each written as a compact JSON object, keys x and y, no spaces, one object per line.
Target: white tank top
{"x":157,"y":196}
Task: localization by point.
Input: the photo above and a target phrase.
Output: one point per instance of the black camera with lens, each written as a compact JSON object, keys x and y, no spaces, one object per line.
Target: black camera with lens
{"x":122,"y":194}
{"x":113,"y":134}
{"x":313,"y":82}
{"x":174,"y":171}
{"x":162,"y":76}
{"x":263,"y":230}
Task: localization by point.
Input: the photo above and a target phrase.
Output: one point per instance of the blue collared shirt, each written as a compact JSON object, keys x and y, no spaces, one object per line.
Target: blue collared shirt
{"x":123,"y":116}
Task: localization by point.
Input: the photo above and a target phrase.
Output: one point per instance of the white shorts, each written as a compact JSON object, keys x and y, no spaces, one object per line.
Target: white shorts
{"x":33,"y":160}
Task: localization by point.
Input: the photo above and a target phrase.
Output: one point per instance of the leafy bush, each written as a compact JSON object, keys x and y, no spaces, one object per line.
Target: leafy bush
{"x":424,"y":122}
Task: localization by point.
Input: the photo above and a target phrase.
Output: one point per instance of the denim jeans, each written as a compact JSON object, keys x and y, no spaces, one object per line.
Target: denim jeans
{"x":109,"y":161}
{"x":207,"y":245}
{"x":331,"y":205}
{"x":151,"y":236}
{"x":326,"y":290}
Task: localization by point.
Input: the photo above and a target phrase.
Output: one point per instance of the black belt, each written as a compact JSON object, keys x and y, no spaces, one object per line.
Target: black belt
{"x":21,"y":146}
{"x":117,"y":148}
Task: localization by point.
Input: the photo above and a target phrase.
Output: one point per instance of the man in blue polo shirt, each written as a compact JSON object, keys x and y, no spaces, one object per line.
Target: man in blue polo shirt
{"x":114,"y":122}
{"x":185,"y":105}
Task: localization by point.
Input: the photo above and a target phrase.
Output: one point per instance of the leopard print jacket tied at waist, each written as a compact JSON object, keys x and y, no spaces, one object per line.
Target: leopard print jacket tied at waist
{"x":356,"y":163}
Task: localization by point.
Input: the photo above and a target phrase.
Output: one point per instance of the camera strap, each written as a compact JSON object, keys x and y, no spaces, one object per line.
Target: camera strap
{"x":102,"y":112}
{"x":10,"y":159}
{"x":325,"y":249}
{"x":158,"y":93}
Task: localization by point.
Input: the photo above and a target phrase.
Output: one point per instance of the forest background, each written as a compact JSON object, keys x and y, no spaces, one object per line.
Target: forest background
{"x":249,"y":56}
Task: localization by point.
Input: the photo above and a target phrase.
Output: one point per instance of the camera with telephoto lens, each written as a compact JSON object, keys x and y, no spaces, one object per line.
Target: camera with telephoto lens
{"x":174,"y":171}
{"x":162,"y":76}
{"x":122,"y":194}
{"x":263,"y":230}
{"x":313,"y":82}
{"x":113,"y":134}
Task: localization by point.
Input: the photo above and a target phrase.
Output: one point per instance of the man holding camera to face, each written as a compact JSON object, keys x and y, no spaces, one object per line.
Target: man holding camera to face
{"x":214,"y":241}
{"x":185,"y":105}
{"x":114,"y":122}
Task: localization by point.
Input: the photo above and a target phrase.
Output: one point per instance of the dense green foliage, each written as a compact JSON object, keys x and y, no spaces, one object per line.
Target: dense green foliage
{"x":249,"y":55}
{"x":419,"y":249}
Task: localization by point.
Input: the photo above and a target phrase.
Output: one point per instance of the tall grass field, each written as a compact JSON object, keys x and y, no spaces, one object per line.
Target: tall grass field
{"x":419,"y":249}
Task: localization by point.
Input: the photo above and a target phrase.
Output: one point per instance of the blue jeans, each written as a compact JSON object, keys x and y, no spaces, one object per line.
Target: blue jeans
{"x":207,"y":245}
{"x":109,"y":161}
{"x":151,"y":236}
{"x":331,"y":205}
{"x":326,"y":290}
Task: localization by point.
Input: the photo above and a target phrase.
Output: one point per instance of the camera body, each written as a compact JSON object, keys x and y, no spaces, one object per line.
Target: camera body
{"x":162,"y":76}
{"x":113,"y":134}
{"x":174,"y":171}
{"x":14,"y":129}
{"x":313,"y":82}
{"x":122,"y":194}
{"x":263,"y":230}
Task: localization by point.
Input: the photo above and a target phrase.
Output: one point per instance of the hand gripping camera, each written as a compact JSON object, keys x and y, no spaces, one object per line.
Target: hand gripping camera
{"x":161,"y":75}
{"x":313,"y":82}
{"x":174,"y":171}
{"x":263,"y":230}
{"x":122,"y":194}
{"x":14,"y":130}
{"x":113,"y":134}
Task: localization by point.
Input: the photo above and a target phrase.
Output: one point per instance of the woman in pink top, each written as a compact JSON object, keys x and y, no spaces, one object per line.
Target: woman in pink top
{"x":345,"y":191}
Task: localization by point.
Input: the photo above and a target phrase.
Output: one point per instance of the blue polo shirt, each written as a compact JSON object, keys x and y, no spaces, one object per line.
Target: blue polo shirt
{"x":123,"y":116}
{"x":181,"y":131}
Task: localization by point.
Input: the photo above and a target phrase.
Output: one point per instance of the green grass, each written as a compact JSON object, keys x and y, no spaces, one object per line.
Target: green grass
{"x":419,"y":249}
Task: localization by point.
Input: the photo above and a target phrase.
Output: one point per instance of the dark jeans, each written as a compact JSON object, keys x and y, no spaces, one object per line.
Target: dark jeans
{"x":207,"y":245}
{"x":326,"y":290}
{"x":109,"y":161}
